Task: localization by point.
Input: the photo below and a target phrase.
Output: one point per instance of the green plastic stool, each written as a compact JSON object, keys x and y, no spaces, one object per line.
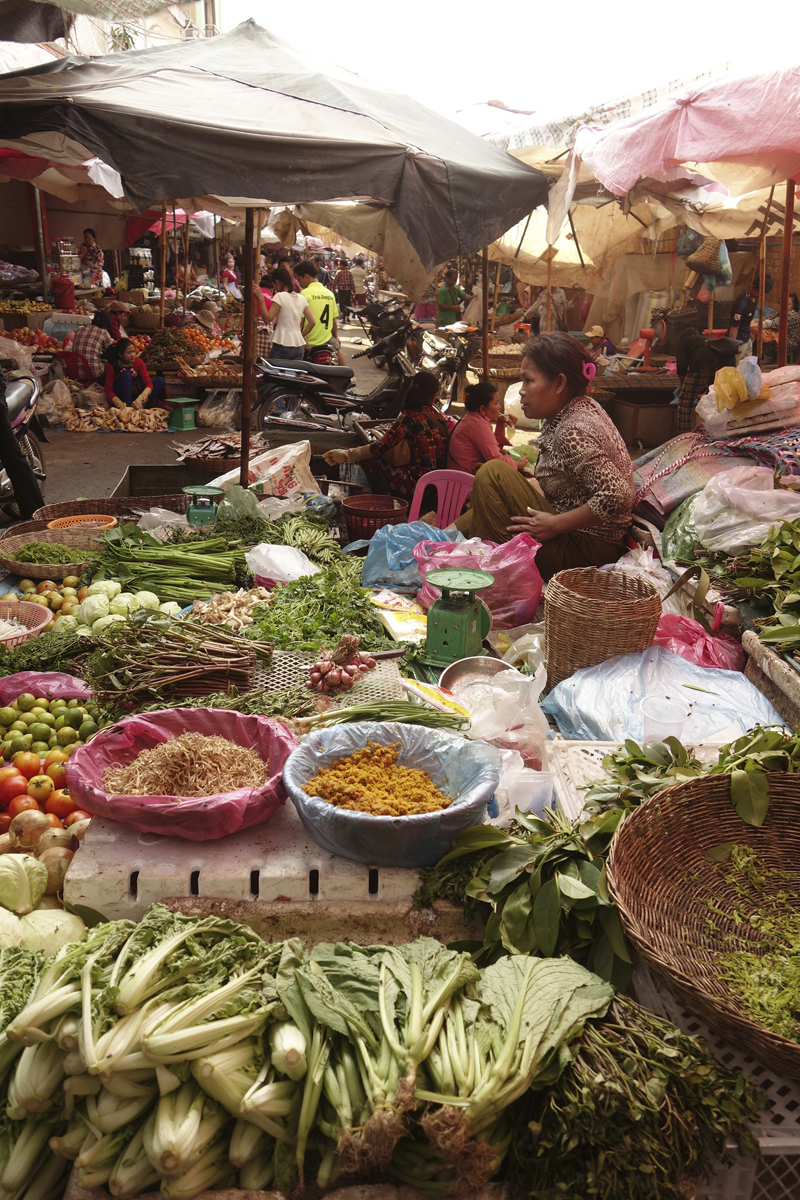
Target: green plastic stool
{"x":182,"y":415}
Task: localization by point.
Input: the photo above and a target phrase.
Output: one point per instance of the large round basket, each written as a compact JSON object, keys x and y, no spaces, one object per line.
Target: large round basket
{"x":592,"y":615}
{"x":365,"y":515}
{"x":125,"y":507}
{"x":673,"y":902}
{"x":76,"y":540}
{"x":35,"y":618}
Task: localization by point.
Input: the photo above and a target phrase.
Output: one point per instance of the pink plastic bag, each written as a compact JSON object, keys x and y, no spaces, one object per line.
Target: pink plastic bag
{"x":51,"y":684}
{"x":199,"y":819}
{"x":514,"y":596}
{"x":688,"y":638}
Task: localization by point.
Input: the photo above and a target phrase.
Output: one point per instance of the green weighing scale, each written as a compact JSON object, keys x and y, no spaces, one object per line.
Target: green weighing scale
{"x":459,"y":621}
{"x":203,"y":508}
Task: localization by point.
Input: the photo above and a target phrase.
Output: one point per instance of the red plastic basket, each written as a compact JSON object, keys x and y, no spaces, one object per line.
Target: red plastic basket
{"x":365,"y":515}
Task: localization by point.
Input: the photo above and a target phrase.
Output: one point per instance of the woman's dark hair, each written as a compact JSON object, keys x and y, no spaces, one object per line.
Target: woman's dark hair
{"x":424,"y":386}
{"x":114,"y":353}
{"x":478,"y":395}
{"x":91,"y":231}
{"x":281,"y":275}
{"x":101,"y":320}
{"x":795,"y":301}
{"x":559,"y":354}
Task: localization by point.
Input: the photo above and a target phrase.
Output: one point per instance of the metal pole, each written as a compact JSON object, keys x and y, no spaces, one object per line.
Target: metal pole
{"x":485,"y":311}
{"x":163,"y":280}
{"x":185,"y":262}
{"x":37,"y":203}
{"x":496,"y":291}
{"x":247,"y":346}
{"x":788,"y":231}
{"x":762,"y":291}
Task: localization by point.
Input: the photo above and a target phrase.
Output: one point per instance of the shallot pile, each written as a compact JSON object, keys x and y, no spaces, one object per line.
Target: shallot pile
{"x":343,"y":667}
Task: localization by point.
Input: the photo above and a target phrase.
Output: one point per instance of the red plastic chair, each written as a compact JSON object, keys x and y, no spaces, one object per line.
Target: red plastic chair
{"x":74,"y":364}
{"x":452,"y":488}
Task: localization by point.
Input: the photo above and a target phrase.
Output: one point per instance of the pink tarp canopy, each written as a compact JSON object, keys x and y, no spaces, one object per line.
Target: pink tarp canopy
{"x":742,"y":132}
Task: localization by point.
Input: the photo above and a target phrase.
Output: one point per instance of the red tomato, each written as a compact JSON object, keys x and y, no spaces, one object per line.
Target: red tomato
{"x":57,"y":774}
{"x":22,"y":804}
{"x":6,"y":771}
{"x":11,"y":786}
{"x":27,"y":764}
{"x":5,"y":821}
{"x":77,"y":815}
{"x":54,"y":821}
{"x":60,"y":803}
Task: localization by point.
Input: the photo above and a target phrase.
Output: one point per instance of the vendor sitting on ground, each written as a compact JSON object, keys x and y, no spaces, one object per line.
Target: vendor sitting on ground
{"x":473,"y":442}
{"x":91,"y":342}
{"x":600,"y":343}
{"x":415,"y":444}
{"x":579,"y":503}
{"x":127,"y":378}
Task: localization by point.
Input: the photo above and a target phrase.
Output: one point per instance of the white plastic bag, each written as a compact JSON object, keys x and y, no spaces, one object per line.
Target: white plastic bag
{"x":220,"y":409}
{"x":519,"y":786}
{"x":527,"y":649}
{"x":509,"y":717}
{"x":160,"y":521}
{"x":283,"y":564}
{"x":642,"y":563}
{"x":781,"y":411}
{"x":21,"y":355}
{"x":284,"y":472}
{"x":514,"y":408}
{"x":737,"y":508}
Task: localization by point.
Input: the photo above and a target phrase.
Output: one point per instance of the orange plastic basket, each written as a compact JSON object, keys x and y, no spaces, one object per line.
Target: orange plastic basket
{"x":91,"y":522}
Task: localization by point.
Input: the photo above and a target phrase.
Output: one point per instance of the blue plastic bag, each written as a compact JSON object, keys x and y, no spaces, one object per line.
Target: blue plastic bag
{"x":390,"y":561}
{"x":603,"y":703}
{"x":466,"y":771}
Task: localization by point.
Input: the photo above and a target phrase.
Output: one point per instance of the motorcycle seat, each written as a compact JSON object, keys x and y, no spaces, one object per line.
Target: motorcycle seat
{"x":321,"y":369}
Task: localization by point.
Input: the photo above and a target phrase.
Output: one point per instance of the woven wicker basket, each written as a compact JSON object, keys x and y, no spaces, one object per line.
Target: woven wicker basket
{"x":145,"y":318}
{"x":662,"y":885}
{"x":592,"y":615}
{"x":27,"y":527}
{"x":116,"y":506}
{"x":75,"y":539}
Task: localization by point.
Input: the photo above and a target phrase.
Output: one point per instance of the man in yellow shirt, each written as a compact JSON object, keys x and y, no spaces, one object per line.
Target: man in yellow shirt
{"x":322,"y":303}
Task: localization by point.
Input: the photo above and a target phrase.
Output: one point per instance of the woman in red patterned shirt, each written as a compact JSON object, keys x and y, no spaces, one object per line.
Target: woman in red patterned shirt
{"x":579,"y":502}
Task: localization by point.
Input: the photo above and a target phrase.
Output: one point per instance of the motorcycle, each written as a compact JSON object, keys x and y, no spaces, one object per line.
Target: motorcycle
{"x":22,"y":397}
{"x":446,"y":357}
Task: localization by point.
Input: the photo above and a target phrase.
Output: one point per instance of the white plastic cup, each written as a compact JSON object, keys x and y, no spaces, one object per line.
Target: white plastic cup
{"x":664,"y":716}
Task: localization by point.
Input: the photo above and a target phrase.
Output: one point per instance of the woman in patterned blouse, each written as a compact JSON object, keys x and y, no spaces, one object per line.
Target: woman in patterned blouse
{"x":578,"y":503}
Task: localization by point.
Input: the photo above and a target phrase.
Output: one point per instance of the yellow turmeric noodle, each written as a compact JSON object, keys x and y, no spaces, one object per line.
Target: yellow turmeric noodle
{"x":370,"y":781}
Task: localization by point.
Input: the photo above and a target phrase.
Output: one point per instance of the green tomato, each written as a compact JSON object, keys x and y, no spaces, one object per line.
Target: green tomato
{"x":88,"y":729}
{"x":40,"y":748}
{"x":74,"y":718}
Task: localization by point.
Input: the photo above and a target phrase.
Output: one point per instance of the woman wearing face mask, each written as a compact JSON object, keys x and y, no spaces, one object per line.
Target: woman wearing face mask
{"x":479,"y":436}
{"x":578,"y":505}
{"x":127,"y":379}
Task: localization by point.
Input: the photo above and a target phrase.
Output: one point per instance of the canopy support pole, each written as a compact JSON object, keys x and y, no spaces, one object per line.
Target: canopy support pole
{"x":549,"y":291}
{"x":485,"y":311}
{"x":761,"y":268}
{"x":247,"y":346}
{"x":522,"y":239}
{"x":788,"y":232}
{"x":37,"y":204}
{"x":215,"y":260}
{"x":496,"y":291}
{"x":575,"y":237}
{"x":436,"y":296}
{"x":163,"y":269}
{"x":185,"y":262}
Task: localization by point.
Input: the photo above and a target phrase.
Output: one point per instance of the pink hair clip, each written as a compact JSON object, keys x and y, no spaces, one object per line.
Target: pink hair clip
{"x":589,"y":371}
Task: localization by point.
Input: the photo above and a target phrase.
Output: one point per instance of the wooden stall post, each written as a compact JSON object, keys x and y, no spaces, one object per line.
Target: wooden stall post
{"x":786,"y":266}
{"x":40,"y":240}
{"x":248,"y":345}
{"x":762,"y":292}
{"x":163,"y":272}
{"x":185,"y":262}
{"x":436,"y":297}
{"x":711,"y":316}
{"x":485,"y":311}
{"x":549,"y":291}
{"x":496,"y":293}
{"x":216,"y":252}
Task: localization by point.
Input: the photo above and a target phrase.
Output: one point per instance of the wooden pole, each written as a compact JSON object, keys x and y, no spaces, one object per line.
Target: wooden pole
{"x":762,"y":290}
{"x":163,"y":269}
{"x":496,"y":292}
{"x":786,"y":266}
{"x":549,"y":292}
{"x":248,"y":345}
{"x":711,"y":316}
{"x":40,"y":246}
{"x":485,"y":311}
{"x":436,"y":296}
{"x":185,"y":262}
{"x":216,"y":252}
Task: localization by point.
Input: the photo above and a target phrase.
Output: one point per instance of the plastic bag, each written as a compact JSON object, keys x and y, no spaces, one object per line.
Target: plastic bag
{"x":21,"y":355}
{"x":679,"y":537}
{"x":730,"y":388}
{"x":390,"y":559}
{"x":283,"y":472}
{"x":688,"y":638}
{"x":513,"y":407}
{"x":527,"y":648}
{"x":737,"y":509}
{"x":468,"y":772}
{"x":51,"y":684}
{"x":219,"y":409}
{"x":162,"y":518}
{"x":508,"y":715}
{"x":532,"y":791}
{"x":278,"y":564}
{"x":514,"y":596}
{"x":750,"y":372}
{"x":642,"y":563}
{"x":199,"y":818}
{"x":604,"y":703}
{"x":322,"y":506}
{"x":237,"y":502}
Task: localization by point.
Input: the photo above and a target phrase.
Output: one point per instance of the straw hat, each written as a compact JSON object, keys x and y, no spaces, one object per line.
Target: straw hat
{"x":206,"y":318}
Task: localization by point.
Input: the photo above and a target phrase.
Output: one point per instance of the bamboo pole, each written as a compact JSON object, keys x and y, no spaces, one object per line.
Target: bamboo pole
{"x":215,"y":259}
{"x":40,"y":246}
{"x":436,"y":296}
{"x":549,"y":293}
{"x":247,"y":344}
{"x":496,"y":291}
{"x":185,"y":262}
{"x":762,"y":291}
{"x":163,"y":266}
{"x":786,"y":266}
{"x":485,"y":311}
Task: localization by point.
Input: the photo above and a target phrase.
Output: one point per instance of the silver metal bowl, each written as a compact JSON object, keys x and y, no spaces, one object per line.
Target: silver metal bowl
{"x":470,"y":678}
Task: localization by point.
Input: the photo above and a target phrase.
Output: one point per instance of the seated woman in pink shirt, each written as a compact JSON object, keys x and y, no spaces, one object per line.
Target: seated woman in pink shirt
{"x":474,"y":442}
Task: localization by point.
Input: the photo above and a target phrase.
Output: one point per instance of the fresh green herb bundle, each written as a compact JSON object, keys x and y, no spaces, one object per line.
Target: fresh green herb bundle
{"x":640,"y":1109}
{"x":182,"y":574}
{"x":48,"y":652}
{"x":50,"y":552}
{"x":294,"y":702}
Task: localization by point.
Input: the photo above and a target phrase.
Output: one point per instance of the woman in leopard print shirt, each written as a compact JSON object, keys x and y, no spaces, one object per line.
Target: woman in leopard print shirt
{"x":578,"y":503}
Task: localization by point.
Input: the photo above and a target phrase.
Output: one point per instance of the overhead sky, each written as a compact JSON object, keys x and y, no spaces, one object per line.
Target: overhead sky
{"x":556,"y":58}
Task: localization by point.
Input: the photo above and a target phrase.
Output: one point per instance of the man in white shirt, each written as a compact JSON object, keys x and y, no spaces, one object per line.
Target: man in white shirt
{"x":359,"y":282}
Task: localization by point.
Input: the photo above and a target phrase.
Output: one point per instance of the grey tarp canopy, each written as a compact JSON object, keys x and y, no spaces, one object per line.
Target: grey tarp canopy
{"x":245,"y":115}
